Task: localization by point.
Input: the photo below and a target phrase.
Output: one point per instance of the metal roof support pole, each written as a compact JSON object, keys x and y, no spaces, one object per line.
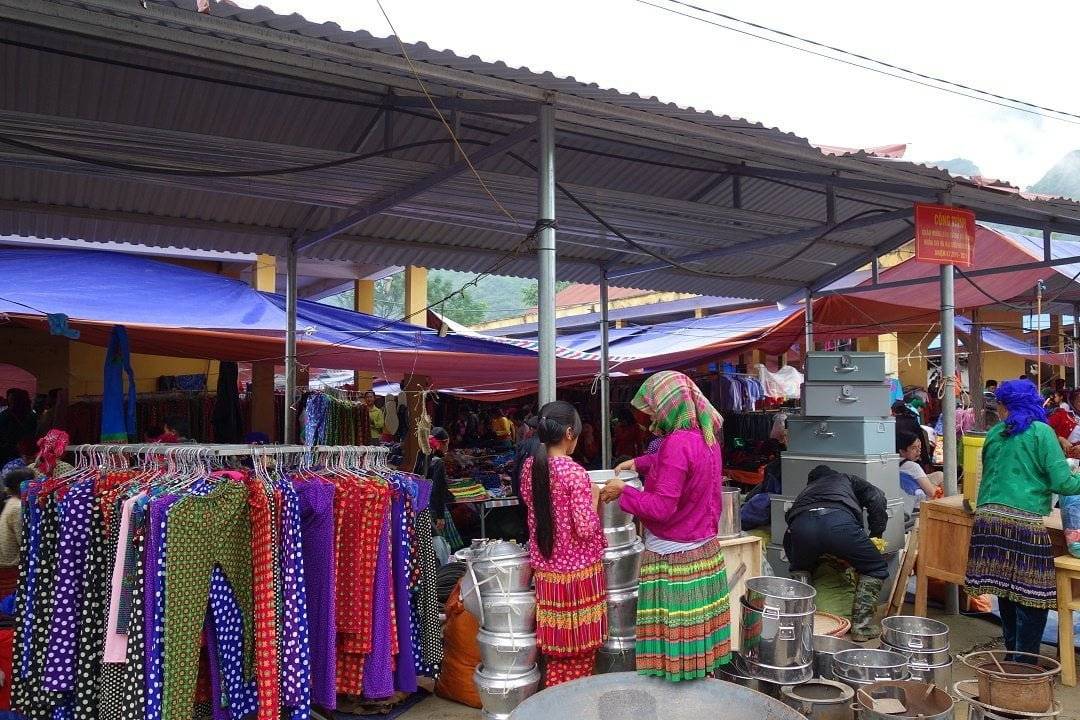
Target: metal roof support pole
{"x":546,"y":255}
{"x":605,"y":379}
{"x":808,"y":317}
{"x":1076,"y":345}
{"x":291,"y":292}
{"x":948,"y":401}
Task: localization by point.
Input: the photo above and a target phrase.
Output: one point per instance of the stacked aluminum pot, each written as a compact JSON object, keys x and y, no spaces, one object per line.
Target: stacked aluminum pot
{"x":864,"y":667}
{"x":778,"y":630}
{"x":497,"y":589}
{"x":926,"y":644}
{"x":622,"y":566}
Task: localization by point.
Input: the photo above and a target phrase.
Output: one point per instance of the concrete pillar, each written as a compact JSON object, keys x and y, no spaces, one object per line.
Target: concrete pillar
{"x":887,"y":344}
{"x":867,"y":344}
{"x":1056,"y":345}
{"x":698,"y":314}
{"x":999,"y":365}
{"x":264,"y":279}
{"x":416,"y":298}
{"x":364,"y":302}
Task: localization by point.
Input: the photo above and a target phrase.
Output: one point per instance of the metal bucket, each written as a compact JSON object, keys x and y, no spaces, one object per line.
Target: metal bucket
{"x":775,"y":639}
{"x":736,"y":672}
{"x":911,"y":632}
{"x":787,"y":597}
{"x":820,"y":699}
{"x":825,"y":646}
{"x":622,"y":612}
{"x":510,"y":613}
{"x":629,"y":695}
{"x":501,"y":693}
{"x":923,"y":701}
{"x":622,"y":565}
{"x":504,"y":572}
{"x":611,"y":515}
{"x":730,"y":525}
{"x":617,"y":654}
{"x":865,"y":667}
{"x":502,"y":653}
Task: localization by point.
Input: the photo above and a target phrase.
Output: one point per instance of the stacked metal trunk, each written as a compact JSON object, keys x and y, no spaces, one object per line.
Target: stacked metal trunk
{"x":498,"y":592}
{"x":622,"y":567}
{"x":846,"y":424}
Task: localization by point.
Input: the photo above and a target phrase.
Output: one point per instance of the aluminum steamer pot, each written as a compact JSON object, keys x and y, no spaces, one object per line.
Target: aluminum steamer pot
{"x":866,"y":667}
{"x":611,"y":515}
{"x":825,"y":646}
{"x":930,"y":657}
{"x":931,"y":674}
{"x":622,"y":565}
{"x":795,"y":675}
{"x":506,"y":653}
{"x":787,"y":597}
{"x":622,"y":612}
{"x":502,"y":567}
{"x":923,"y":701}
{"x":620,"y":536}
{"x":617,"y":654}
{"x":911,"y":632}
{"x":510,"y":613}
{"x":500,"y":693}
{"x":771,"y":638}
{"x":820,"y":699}
{"x":736,"y":672}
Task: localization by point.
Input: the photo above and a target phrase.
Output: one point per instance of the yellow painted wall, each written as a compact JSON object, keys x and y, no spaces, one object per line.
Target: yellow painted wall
{"x":999,"y":365}
{"x":88,"y":361}
{"x":40,"y":354}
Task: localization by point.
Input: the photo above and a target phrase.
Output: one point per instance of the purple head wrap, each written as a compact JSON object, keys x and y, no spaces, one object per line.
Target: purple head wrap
{"x":1025,"y":405}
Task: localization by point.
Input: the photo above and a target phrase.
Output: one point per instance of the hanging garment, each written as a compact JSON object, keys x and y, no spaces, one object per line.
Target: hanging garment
{"x":228,"y":420}
{"x":317,"y":535}
{"x":118,"y":414}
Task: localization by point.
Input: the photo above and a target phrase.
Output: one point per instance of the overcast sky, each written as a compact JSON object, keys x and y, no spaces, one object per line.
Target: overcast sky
{"x":1024,"y":50}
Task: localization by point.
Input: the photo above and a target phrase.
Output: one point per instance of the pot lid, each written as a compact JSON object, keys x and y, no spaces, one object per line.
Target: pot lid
{"x":500,"y":550}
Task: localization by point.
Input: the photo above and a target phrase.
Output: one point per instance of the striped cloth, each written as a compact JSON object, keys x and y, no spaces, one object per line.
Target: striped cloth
{"x":571,"y":611}
{"x":1011,"y":556}
{"x":683,"y":618}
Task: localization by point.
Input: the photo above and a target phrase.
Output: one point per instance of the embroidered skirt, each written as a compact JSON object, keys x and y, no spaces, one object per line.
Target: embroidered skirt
{"x":1011,"y":557}
{"x":571,"y":611}
{"x":683,"y":617}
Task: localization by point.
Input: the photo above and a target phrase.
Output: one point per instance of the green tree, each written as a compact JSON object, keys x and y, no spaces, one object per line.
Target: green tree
{"x":530,"y":294}
{"x":463,"y":307}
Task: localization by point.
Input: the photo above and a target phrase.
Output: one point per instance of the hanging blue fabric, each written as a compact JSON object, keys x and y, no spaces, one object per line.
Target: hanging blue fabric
{"x":118,"y":416}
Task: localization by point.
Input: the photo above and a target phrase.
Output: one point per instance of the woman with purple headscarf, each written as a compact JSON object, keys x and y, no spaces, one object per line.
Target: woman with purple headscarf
{"x":1010,"y":555}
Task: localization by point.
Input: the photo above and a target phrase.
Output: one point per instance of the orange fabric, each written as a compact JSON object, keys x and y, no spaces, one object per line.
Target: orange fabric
{"x":462,"y":653}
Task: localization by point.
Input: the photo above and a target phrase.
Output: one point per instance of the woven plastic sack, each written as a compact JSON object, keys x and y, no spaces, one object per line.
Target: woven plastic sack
{"x":1070,"y":521}
{"x":462,"y":654}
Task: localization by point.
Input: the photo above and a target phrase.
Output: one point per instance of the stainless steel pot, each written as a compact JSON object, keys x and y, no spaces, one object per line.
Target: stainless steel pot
{"x":504,"y":653}
{"x":865,"y":666}
{"x":825,"y":646}
{"x":617,"y":654}
{"x":923,"y":701}
{"x":771,"y":638}
{"x":500,"y":693}
{"x":911,"y":632}
{"x":622,"y":565}
{"x":787,"y":597}
{"x":501,"y":567}
{"x":930,"y":657}
{"x":730,"y":525}
{"x":795,"y":675}
{"x":611,"y":515}
{"x":622,"y":612}
{"x":736,"y":672}
{"x":820,"y":699}
{"x":932,"y":674}
{"x":620,"y":536}
{"x":509,"y":612}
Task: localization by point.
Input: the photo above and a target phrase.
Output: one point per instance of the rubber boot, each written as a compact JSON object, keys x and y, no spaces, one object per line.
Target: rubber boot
{"x":864,"y":610}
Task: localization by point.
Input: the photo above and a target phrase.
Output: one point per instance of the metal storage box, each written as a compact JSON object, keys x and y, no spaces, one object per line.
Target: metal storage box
{"x":882,"y":470}
{"x":845,"y":367}
{"x":777,"y":510}
{"x":846,"y":400}
{"x":841,"y":436}
{"x":894,"y":530}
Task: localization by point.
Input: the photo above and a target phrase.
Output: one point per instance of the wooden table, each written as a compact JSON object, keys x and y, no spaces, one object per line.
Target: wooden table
{"x":745,"y":550}
{"x":944,"y":539}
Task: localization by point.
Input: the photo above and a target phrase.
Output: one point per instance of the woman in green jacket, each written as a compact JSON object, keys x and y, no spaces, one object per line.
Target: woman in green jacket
{"x":1010,"y":555}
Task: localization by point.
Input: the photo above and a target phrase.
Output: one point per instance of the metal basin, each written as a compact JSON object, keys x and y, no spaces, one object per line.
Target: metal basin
{"x":620,"y":536}
{"x":771,"y":638}
{"x":506,"y":653}
{"x":510,"y":613}
{"x":825,"y":646}
{"x":629,"y":695}
{"x":865,"y":666}
{"x":787,"y":597}
{"x":611,"y":515}
{"x":622,"y":612}
{"x":911,"y":632}
{"x":736,"y":672}
{"x":820,"y":699}
{"x":500,"y":693}
{"x":925,"y":702}
{"x":622,"y":565}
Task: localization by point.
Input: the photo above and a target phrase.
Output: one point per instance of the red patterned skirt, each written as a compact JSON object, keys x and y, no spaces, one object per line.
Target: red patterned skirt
{"x":571,"y":611}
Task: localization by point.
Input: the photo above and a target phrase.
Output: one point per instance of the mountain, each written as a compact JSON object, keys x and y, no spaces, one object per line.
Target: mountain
{"x":957,"y":166}
{"x":1063,"y":179}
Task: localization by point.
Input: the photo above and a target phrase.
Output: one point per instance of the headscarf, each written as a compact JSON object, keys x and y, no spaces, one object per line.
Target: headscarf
{"x":676,"y":403}
{"x":1025,"y":405}
{"x":50,"y":448}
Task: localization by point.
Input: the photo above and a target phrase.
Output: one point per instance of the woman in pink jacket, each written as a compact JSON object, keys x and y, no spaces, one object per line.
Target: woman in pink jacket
{"x":683,"y":621}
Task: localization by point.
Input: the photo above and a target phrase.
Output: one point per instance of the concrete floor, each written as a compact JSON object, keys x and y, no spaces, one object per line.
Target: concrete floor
{"x":966,"y":635}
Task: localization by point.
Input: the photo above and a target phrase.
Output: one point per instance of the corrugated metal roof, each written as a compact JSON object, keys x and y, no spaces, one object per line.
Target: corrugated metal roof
{"x":243,"y":88}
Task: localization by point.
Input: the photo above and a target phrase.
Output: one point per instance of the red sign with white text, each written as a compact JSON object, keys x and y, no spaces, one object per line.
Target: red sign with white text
{"x":944,"y":235}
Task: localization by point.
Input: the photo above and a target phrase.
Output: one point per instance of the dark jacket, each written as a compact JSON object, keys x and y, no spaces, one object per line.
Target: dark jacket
{"x":432,"y":467}
{"x":828,"y":488}
{"x":908,"y":422}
